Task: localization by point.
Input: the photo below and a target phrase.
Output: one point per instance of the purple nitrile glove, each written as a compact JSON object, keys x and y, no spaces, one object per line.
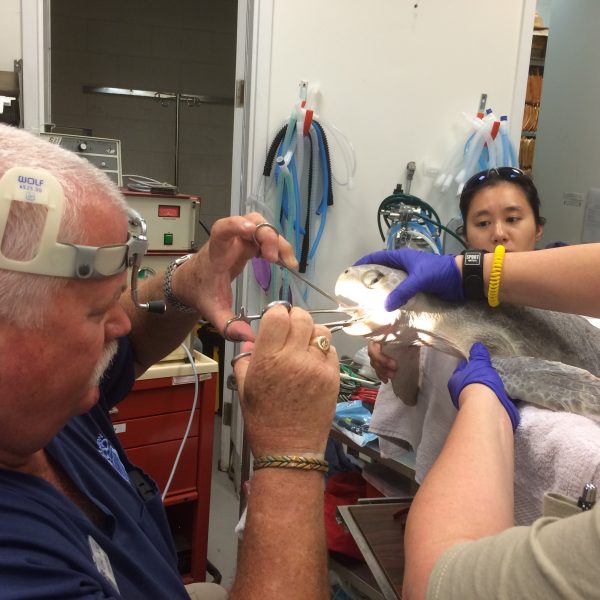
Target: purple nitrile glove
{"x":430,"y":273}
{"x":479,"y":370}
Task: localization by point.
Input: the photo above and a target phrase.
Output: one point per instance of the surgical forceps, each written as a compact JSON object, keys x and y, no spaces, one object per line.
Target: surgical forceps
{"x":333,"y":326}
{"x":243,"y":316}
{"x":354,"y":311}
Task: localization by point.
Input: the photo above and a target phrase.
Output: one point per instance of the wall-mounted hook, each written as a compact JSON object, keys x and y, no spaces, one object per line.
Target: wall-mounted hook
{"x":303,"y":90}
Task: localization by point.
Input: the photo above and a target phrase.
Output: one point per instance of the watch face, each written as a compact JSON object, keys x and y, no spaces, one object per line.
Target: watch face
{"x":473,"y":258}
{"x":183,"y":258}
{"x":473,"y":275}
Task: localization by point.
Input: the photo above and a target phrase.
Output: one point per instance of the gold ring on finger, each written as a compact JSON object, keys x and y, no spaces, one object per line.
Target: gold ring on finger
{"x":322,"y":343}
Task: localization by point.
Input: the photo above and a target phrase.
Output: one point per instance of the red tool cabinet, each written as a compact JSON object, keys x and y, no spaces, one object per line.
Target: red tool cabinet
{"x":151,"y":423}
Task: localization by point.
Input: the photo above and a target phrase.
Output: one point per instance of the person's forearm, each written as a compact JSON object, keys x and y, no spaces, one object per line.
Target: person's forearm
{"x":155,"y":335}
{"x":565,"y":279}
{"x":468,"y":493}
{"x":283,"y":553}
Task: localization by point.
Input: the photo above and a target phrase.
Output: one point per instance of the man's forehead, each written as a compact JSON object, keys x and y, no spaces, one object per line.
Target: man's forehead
{"x":104,"y":224}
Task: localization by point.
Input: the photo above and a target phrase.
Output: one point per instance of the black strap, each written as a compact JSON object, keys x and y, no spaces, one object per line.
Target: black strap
{"x":472,"y":273}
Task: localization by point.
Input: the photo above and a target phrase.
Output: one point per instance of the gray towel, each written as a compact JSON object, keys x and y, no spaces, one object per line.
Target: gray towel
{"x":554,"y":451}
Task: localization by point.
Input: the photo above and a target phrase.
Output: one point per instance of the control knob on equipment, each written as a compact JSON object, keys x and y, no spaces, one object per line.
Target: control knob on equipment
{"x":82,"y":146}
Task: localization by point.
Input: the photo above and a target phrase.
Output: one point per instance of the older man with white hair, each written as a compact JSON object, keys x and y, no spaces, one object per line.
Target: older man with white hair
{"x":77,"y":519}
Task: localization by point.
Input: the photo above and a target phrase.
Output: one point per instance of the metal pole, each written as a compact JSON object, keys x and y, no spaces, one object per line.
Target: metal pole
{"x":177,"y":101}
{"x":164,"y":98}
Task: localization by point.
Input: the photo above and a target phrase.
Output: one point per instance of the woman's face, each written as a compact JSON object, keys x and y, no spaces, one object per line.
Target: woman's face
{"x":501,"y":214}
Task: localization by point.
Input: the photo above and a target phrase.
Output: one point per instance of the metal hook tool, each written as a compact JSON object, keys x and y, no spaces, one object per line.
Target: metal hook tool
{"x":354,"y":311}
{"x":281,"y":264}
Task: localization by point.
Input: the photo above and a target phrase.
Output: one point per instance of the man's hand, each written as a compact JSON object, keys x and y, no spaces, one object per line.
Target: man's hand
{"x":429,"y":273}
{"x":288,"y":387}
{"x":204,"y":282}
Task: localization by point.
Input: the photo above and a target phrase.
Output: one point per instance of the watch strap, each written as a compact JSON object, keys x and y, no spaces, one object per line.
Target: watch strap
{"x":472,"y":274}
{"x":168,"y":286}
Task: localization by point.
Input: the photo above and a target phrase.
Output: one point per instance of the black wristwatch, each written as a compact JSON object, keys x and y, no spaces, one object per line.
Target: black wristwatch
{"x":472,"y":274}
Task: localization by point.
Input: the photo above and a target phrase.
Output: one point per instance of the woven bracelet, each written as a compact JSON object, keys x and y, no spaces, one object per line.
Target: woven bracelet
{"x":291,"y":462}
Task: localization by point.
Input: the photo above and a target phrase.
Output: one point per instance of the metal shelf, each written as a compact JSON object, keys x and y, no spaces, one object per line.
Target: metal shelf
{"x":165,"y":98}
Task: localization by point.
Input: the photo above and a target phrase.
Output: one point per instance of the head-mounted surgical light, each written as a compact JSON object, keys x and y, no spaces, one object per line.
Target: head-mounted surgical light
{"x":59,"y":259}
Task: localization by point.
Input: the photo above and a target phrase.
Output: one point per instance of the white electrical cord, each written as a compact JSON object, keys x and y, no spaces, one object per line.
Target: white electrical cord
{"x":189,"y":425}
{"x":141,"y":183}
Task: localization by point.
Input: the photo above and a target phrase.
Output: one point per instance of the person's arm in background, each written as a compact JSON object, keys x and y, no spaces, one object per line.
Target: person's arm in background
{"x":468,"y":493}
{"x":565,"y":279}
{"x":288,"y":390}
{"x":474,"y":471}
{"x":204,"y":283}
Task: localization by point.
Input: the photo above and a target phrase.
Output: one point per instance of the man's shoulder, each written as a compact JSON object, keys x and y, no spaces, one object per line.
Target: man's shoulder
{"x":33,"y":512}
{"x":48,"y":545}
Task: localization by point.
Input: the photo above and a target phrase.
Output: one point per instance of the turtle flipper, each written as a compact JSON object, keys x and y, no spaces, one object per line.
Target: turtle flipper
{"x":550,"y":384}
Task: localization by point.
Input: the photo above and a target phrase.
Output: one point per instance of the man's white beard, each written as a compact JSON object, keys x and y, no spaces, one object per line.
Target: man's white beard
{"x":107,"y":356}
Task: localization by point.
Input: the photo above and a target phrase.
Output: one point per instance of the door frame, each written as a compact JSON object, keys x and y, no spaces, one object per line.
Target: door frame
{"x":35,"y":40}
{"x":250,"y":139}
{"x":522,"y":71}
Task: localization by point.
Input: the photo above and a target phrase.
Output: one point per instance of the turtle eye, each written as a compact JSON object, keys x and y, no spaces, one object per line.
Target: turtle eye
{"x":371,"y":278}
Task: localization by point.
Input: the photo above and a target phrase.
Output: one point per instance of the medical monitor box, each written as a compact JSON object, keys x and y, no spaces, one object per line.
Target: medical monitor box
{"x":103,"y":153}
{"x":173,"y":221}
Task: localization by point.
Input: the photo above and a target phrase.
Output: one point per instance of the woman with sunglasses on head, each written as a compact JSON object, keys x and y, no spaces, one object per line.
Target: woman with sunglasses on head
{"x":499,"y":206}
{"x":460,"y":541}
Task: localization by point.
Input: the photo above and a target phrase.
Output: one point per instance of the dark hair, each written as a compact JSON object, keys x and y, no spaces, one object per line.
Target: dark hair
{"x":492,"y":178}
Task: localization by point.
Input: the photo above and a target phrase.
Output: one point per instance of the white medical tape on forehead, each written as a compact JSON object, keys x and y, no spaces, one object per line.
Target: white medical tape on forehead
{"x":38,"y":186}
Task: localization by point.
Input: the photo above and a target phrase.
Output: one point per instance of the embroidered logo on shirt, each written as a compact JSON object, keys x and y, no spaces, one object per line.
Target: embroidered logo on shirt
{"x":102,"y":561}
{"x":110,"y":454}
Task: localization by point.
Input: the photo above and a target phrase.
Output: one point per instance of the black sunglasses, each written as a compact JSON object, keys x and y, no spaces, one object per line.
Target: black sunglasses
{"x":503,"y":173}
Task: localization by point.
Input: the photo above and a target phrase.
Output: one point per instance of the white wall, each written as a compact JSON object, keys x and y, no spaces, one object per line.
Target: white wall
{"x":395,"y":79}
{"x":10,"y":34}
{"x":567,"y":154}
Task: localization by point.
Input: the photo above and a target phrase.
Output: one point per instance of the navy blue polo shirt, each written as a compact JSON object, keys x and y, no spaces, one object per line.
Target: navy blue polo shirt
{"x":50,"y":549}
